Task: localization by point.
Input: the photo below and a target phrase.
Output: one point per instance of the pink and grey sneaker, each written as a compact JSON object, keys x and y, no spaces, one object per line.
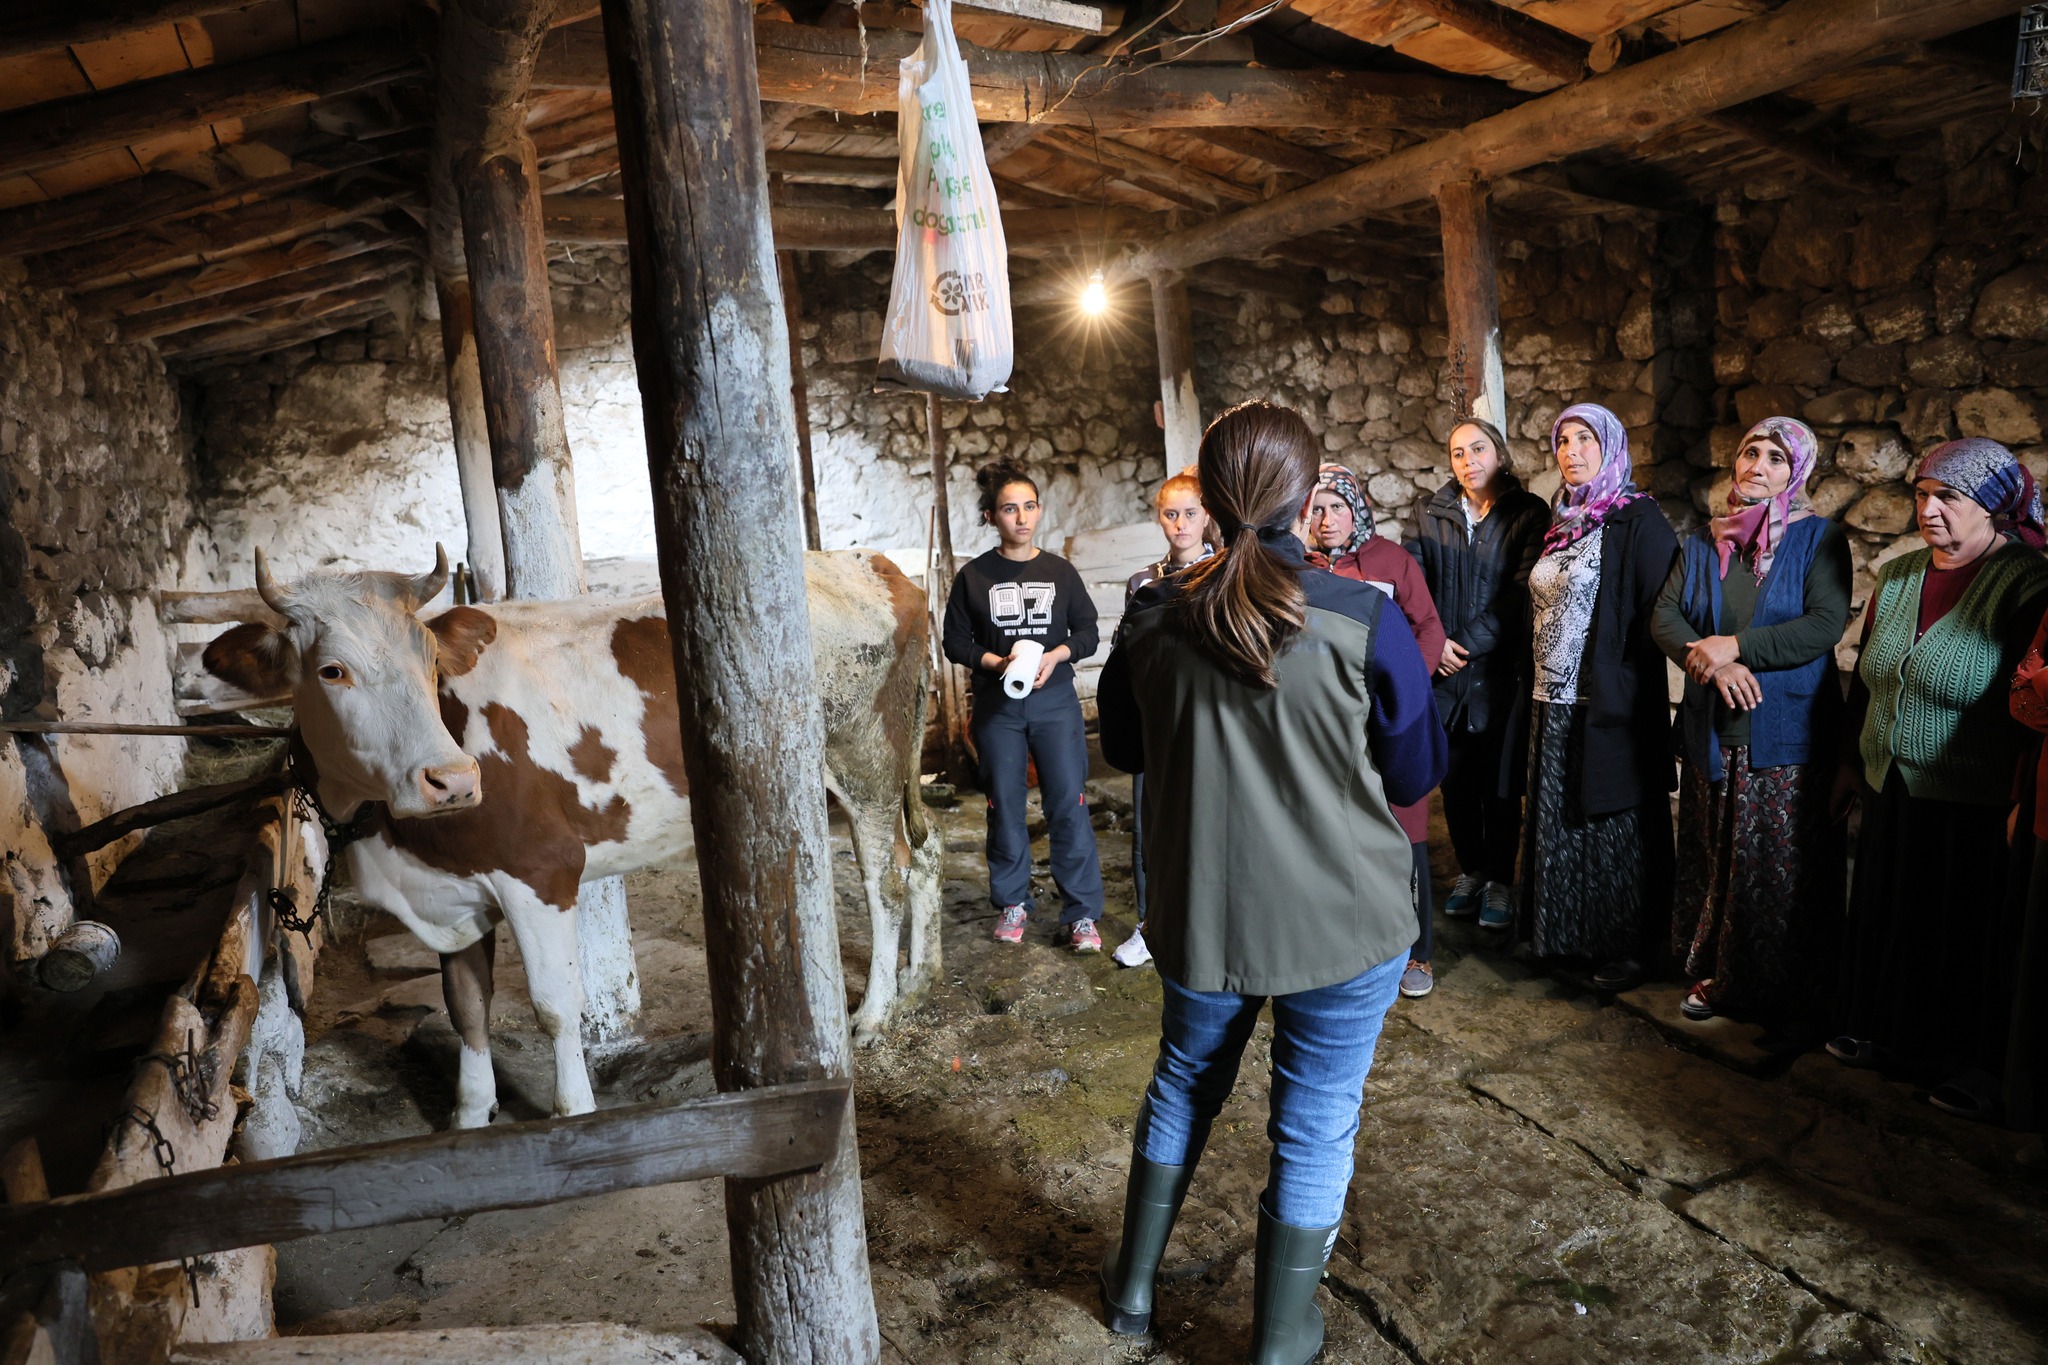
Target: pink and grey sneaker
{"x":1084,"y":937}
{"x":1010,"y":928}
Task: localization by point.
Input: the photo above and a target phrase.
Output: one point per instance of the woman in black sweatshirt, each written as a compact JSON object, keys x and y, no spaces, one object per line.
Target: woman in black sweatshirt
{"x":1013,"y":594}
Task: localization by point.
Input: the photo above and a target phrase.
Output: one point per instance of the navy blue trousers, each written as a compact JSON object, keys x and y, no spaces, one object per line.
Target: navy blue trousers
{"x":1046,"y":726}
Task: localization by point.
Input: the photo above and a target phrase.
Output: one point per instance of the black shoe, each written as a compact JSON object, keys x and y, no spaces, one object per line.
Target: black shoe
{"x":1619,"y":976}
{"x":1151,"y":1204}
{"x":1287,"y":1327}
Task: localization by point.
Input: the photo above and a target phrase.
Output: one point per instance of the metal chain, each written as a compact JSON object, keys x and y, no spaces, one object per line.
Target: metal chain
{"x":192,"y":1075}
{"x":284,"y":900}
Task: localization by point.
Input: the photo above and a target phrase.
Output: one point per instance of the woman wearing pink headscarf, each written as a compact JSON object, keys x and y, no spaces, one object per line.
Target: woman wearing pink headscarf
{"x":1752,"y":612}
{"x":1596,"y":844}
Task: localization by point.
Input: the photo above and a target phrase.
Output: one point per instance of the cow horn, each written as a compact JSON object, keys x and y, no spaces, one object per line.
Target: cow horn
{"x":428,"y":586}
{"x":273,"y":596}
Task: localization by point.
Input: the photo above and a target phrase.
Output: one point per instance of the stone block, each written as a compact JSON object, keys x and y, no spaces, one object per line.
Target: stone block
{"x":1639,"y":333}
{"x":1100,"y":438}
{"x":1831,"y":322}
{"x":1833,"y":495}
{"x":1416,"y":381}
{"x":1899,"y":317}
{"x":1688,"y":407}
{"x":2015,"y":305}
{"x":1841,"y":408}
{"x":1945,"y":362}
{"x":1873,"y":455}
{"x":1617,"y":374}
{"x":344,"y":346}
{"x":985,"y":414}
{"x":1886,"y":510}
{"x":1889,"y":247}
{"x":1732,"y":363}
{"x":1999,"y":414}
{"x":851,"y":337}
{"x":1520,"y":380}
{"x":1394,"y":339}
{"x":1413,"y":453}
{"x":1958,"y":271}
{"x":1772,"y":316}
{"x":1809,"y":245}
{"x":1927,"y":415}
{"x":1067,"y":440}
{"x":1568,"y":378}
{"x":1348,"y":404}
{"x":1873,"y":364}
{"x":1389,"y":490}
{"x":1634,"y":409}
{"x":1759,"y":401}
{"x":1799,"y":363}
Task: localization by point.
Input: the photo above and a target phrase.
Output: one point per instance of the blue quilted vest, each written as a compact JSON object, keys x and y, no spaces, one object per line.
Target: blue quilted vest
{"x":1781,"y":730}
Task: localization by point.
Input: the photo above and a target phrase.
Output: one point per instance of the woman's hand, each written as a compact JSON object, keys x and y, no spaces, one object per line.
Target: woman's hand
{"x":1454,"y":657}
{"x":1705,"y":658}
{"x":996,"y":663}
{"x":1738,"y":687}
{"x":1051,"y":659}
{"x":1848,"y":790}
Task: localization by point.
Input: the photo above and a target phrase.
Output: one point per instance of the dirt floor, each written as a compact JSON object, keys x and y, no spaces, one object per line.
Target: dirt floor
{"x":1545,"y":1174}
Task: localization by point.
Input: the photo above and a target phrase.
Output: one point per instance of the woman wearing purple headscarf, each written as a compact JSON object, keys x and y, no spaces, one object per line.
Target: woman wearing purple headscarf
{"x":1927,"y":981}
{"x":1596,"y":844}
{"x":1752,"y":612}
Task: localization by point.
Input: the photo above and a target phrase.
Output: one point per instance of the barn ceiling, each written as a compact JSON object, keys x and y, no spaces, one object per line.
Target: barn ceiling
{"x":227,"y":177}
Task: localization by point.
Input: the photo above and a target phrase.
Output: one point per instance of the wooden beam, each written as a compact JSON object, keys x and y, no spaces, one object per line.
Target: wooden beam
{"x":1276,"y":152}
{"x":176,"y":806}
{"x":161,"y":197}
{"x":1522,"y":36}
{"x":799,"y":397}
{"x":828,"y":69}
{"x":1472,"y":300}
{"x":1801,"y":40}
{"x":240,"y":273}
{"x":589,"y":219}
{"x":1763,"y":126}
{"x":875,"y":171}
{"x":46,"y":28}
{"x":206,"y":238}
{"x":1122,"y":156}
{"x":715,"y":399}
{"x":565,"y":1343}
{"x":761,"y":1134}
{"x":287,"y":326}
{"x":242,"y":303}
{"x":1180,"y":409}
{"x":40,"y":136}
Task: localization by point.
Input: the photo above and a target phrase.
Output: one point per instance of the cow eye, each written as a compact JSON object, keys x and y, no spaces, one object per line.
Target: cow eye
{"x":333,"y":672}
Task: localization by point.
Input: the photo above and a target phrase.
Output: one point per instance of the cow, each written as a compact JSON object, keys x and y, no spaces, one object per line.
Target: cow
{"x":503,"y":754}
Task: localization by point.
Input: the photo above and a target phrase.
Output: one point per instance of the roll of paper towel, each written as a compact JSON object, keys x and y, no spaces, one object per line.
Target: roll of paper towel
{"x":1023,"y":669}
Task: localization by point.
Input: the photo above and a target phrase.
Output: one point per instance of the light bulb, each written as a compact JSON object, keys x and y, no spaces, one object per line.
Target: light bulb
{"x":1095,"y":296}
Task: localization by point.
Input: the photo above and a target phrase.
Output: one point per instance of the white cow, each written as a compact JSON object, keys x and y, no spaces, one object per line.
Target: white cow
{"x":515,"y":750}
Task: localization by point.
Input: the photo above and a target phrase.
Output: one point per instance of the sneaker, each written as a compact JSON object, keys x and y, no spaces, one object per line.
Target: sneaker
{"x":1417,"y":982}
{"x":1497,"y":912}
{"x":1132,"y":952}
{"x":1624,"y":975}
{"x":1084,"y":937}
{"x":1465,"y":893}
{"x":1010,"y":928}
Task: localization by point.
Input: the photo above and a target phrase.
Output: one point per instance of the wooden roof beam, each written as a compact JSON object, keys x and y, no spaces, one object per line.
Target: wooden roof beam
{"x":236,"y":304}
{"x":291,"y":326}
{"x":1123,"y":157}
{"x":40,"y":136}
{"x":1801,"y":40}
{"x":1276,"y":152}
{"x":1524,"y":37}
{"x":1762,"y":126}
{"x":828,"y":69}
{"x":588,"y":220}
{"x":242,"y":272}
{"x":47,"y":27}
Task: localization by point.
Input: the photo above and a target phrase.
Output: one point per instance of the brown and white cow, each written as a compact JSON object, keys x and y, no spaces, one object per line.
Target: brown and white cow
{"x":519,"y":749}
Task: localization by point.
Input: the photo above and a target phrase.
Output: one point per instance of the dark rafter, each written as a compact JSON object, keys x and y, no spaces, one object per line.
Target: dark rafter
{"x":47,"y":27}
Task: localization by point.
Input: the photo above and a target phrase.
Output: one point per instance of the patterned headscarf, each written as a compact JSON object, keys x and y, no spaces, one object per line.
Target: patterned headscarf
{"x":1579,"y":511}
{"x":1757,"y":529}
{"x":1994,"y":480}
{"x":1335,"y":478}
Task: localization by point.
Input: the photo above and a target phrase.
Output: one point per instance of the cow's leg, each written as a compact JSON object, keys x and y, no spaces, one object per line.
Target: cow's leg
{"x":466,"y":985}
{"x":874,"y":838}
{"x":554,"y":978}
{"x":921,"y":886}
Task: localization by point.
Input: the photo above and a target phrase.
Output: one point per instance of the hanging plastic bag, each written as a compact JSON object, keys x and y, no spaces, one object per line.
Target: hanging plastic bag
{"x":948,"y":328}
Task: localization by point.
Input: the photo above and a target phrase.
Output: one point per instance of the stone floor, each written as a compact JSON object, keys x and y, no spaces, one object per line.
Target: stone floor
{"x":1545,"y":1174}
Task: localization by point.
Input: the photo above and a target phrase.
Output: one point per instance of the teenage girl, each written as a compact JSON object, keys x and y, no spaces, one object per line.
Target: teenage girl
{"x":1177,"y":507}
{"x":1013,"y":593}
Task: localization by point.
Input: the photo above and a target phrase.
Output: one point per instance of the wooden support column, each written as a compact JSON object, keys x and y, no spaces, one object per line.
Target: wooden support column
{"x":952,"y":688}
{"x":486,"y":555}
{"x":708,"y":338}
{"x":486,"y":55}
{"x":1472,"y":298}
{"x":1178,"y":405}
{"x":800,"y":398}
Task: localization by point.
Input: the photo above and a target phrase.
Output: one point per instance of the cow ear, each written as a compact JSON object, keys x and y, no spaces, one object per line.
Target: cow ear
{"x":252,"y":657}
{"x":462,"y":632}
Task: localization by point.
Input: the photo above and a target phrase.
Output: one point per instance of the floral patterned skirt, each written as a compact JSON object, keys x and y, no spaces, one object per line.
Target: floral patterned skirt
{"x":1758,"y":908}
{"x":1591,"y":887}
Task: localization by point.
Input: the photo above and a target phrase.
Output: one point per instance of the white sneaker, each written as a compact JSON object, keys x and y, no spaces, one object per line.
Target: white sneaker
{"x":1132,"y":952}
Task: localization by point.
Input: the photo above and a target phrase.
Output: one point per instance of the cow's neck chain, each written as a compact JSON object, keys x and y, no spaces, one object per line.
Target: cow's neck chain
{"x":284,"y":900}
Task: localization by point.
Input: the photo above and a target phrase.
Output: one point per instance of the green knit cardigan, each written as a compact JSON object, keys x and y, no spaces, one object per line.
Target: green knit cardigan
{"x":1938,"y":707}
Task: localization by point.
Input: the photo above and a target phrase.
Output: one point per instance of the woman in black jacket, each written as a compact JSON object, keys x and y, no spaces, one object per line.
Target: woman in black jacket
{"x":1479,"y":537}
{"x":1596,"y":860}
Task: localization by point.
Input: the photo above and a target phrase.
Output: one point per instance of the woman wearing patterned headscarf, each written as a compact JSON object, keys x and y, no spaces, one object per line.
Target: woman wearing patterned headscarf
{"x":1341,"y":530}
{"x":1596,"y":844}
{"x":1752,"y":612}
{"x":1927,"y":985}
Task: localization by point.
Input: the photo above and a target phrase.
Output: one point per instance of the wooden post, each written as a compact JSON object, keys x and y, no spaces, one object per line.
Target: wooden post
{"x":1183,"y":412}
{"x":708,"y":338}
{"x":487,"y":50}
{"x":486,"y":557}
{"x":952,"y":694}
{"x":800,"y":398}
{"x":1472,"y":298}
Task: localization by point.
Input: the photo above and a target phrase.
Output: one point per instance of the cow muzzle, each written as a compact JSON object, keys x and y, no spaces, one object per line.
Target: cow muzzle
{"x":449,"y":787}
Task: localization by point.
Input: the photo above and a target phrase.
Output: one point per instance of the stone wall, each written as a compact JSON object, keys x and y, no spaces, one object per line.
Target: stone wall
{"x":1890,"y":325}
{"x":95,"y":481}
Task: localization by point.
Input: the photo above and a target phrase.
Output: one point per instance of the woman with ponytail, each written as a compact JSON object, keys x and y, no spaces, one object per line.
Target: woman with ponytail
{"x":1279,"y":714}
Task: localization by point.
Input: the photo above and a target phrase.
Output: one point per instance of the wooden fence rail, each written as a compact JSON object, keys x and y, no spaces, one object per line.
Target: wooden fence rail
{"x":750,"y":1134}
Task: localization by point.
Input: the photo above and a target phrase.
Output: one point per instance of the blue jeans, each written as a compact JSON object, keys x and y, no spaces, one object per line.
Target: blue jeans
{"x":1045,"y":727}
{"x":1323,"y":1042}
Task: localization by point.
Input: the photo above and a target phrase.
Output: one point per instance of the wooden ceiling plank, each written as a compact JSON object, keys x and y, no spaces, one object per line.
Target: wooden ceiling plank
{"x":293,"y":288}
{"x":49,"y":135}
{"x":1518,"y":35}
{"x":1276,"y":152}
{"x":271,"y":334}
{"x":48,"y":28}
{"x":210,"y":237}
{"x":209,"y":281}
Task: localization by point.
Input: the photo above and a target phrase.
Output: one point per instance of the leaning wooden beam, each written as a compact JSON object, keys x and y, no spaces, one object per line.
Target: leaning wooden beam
{"x":1804,"y":39}
{"x":241,"y":303}
{"x":45,"y":28}
{"x":714,"y":384}
{"x":161,"y":197}
{"x":589,"y":220}
{"x":176,"y":806}
{"x":838,"y":69}
{"x":45,"y":135}
{"x":758,"y":1135}
{"x":193,"y":242}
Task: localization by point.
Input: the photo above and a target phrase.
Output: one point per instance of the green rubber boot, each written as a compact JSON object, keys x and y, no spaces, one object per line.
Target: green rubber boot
{"x":1151,"y":1204}
{"x":1287,"y":1327}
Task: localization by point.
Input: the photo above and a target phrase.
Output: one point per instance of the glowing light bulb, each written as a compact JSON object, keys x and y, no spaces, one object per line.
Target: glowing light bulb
{"x":1095,"y":297}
